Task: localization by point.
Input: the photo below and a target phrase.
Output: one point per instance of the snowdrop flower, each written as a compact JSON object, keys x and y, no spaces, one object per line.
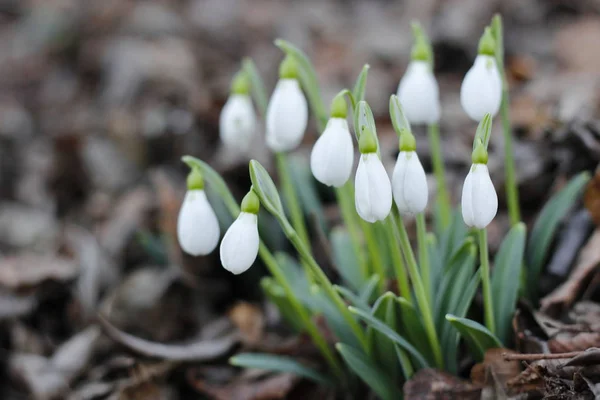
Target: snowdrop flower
{"x":197,"y":225}
{"x":237,"y":123}
{"x":409,"y":183}
{"x":287,"y":113}
{"x":373,"y":190}
{"x":239,"y":247}
{"x":479,"y":199}
{"x":481,"y":90}
{"x":332,"y":156}
{"x":418,"y":89}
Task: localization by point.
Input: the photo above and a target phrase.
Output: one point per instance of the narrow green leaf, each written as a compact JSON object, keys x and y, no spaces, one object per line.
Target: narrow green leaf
{"x":305,"y":188}
{"x":308,"y":78}
{"x":478,"y":337}
{"x":507,"y":268}
{"x":361,"y":84}
{"x":352,"y":298}
{"x":276,"y":363}
{"x":394,"y":336}
{"x":265,"y":189}
{"x":344,"y":257}
{"x":276,"y":295}
{"x":373,"y":376}
{"x":452,"y":237}
{"x":545,"y":227}
{"x":258,"y":87}
{"x":381,"y":347}
{"x":368,"y":289}
{"x":413,"y":329}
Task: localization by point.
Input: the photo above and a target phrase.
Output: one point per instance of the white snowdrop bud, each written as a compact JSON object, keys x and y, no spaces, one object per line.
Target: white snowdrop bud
{"x":373,"y":190}
{"x":479,"y":199}
{"x":287,"y":113}
{"x":197,"y":225}
{"x":419,"y":93}
{"x":409,"y":184}
{"x":332,"y":156}
{"x":239,"y":247}
{"x":237,"y":123}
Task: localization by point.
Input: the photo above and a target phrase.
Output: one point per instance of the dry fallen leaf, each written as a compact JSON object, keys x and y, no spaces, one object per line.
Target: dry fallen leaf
{"x":27,"y":270}
{"x":495,"y":369}
{"x":271,"y":388}
{"x":431,"y":384}
{"x":250,"y":320}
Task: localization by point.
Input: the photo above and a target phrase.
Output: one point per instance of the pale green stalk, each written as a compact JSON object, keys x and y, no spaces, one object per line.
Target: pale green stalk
{"x":443,"y":197}
{"x":374,"y":253}
{"x":420,"y":294}
{"x":423,"y":254}
{"x":488,"y":305}
{"x":399,"y":265}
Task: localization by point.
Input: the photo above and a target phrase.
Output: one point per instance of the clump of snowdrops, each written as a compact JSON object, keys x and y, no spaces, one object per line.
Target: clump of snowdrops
{"x":394,"y":310}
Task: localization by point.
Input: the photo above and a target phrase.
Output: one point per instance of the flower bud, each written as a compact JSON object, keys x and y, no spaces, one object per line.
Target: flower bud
{"x":373,"y":190}
{"x":332,"y":156}
{"x":237,"y":123}
{"x":481,"y":90}
{"x":197,"y":225}
{"x":479,"y":199}
{"x":409,"y":184}
{"x":239,"y":247}
{"x":419,"y":94}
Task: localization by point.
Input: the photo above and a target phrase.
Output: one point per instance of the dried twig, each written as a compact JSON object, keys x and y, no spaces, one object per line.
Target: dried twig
{"x":537,"y":357}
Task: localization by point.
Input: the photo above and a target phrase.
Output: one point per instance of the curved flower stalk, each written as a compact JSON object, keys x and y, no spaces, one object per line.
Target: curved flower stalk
{"x":409,"y":183}
{"x":479,"y":199}
{"x":373,"y":190}
{"x":332,"y":156}
{"x":239,"y":247}
{"x":237,"y":122}
{"x":287,"y":113}
{"x":198,"y":229}
{"x":481,"y":90}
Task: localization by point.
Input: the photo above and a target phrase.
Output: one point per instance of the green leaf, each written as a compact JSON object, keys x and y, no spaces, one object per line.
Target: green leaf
{"x":390,"y":333}
{"x":361,"y":84}
{"x":413,"y":329}
{"x":478,"y":337}
{"x":452,"y":238}
{"x":275,"y":363}
{"x":265,"y":189}
{"x":399,"y":120}
{"x":309,"y":81}
{"x":545,"y":227}
{"x":381,"y":347}
{"x":352,"y":298}
{"x":258,"y":87}
{"x":344,"y":257}
{"x":374,"y":377}
{"x":368,"y":289}
{"x":305,"y":188}
{"x":276,"y":295}
{"x":507,"y":269}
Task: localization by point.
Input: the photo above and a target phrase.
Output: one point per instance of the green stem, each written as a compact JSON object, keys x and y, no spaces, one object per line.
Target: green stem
{"x":420,"y":294}
{"x":399,"y":266}
{"x":291,"y":200}
{"x":345,"y":198}
{"x":512,"y":193}
{"x":326,"y":284}
{"x":443,"y":197}
{"x":374,"y":253}
{"x":488,"y":306}
{"x":423,"y":254}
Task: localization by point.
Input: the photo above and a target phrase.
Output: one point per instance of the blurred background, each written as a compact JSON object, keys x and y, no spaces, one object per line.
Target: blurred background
{"x":100,"y":99}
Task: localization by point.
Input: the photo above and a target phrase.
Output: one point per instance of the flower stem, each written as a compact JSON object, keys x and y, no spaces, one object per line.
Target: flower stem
{"x":291,"y":200}
{"x":420,"y":294}
{"x":423,"y":254}
{"x":443,"y":197}
{"x":345,"y":196}
{"x":399,"y":265}
{"x":374,"y":253}
{"x":326,"y":284}
{"x":512,"y":193}
{"x":484,"y":257}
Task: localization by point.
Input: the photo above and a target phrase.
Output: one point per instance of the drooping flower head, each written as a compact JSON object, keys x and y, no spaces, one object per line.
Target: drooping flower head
{"x":332,"y":156}
{"x":479,"y":200}
{"x":237,"y":123}
{"x":481,"y":90}
{"x":409,"y":182}
{"x":239,"y":247}
{"x":287,"y":112}
{"x":197,"y":225}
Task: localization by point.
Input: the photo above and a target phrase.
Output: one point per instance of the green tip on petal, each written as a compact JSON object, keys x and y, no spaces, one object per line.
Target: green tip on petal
{"x":479,"y":155}
{"x":288,"y":69}
{"x":420,"y":51}
{"x":367,"y":143}
{"x":407,"y":141}
{"x":250,"y":202}
{"x":487,"y":43}
{"x":339,"y":109}
{"x":195,"y":181}
{"x":240,"y":83}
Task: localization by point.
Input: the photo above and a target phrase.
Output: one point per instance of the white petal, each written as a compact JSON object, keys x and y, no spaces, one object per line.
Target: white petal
{"x":287,"y":116}
{"x":197,"y":225}
{"x":332,"y":155}
{"x":419,"y":94}
{"x":373,"y":190}
{"x":479,"y":201}
{"x":481,"y":90}
{"x":239,"y":247}
{"x":237,"y":123}
{"x":409,"y":184}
